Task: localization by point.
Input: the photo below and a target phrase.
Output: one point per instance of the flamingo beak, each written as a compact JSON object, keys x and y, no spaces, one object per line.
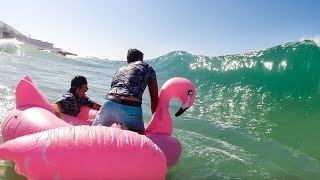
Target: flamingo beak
{"x":181,"y":111}
{"x":184,"y":107}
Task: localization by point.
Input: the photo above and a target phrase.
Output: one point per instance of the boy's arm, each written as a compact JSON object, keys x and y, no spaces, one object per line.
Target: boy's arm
{"x":96,"y":106}
{"x":57,"y":109}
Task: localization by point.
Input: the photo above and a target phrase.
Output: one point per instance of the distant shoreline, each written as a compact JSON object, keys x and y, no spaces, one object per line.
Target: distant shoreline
{"x":8,"y":32}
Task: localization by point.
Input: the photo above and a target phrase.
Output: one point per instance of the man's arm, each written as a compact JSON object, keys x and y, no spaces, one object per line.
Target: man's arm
{"x":153,"y":91}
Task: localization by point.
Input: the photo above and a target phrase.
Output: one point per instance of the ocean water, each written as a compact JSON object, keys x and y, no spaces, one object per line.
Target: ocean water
{"x":256,"y":115}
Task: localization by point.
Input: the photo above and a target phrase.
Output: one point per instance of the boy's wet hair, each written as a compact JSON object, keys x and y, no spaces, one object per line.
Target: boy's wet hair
{"x":77,"y":82}
{"x":134,"y":55}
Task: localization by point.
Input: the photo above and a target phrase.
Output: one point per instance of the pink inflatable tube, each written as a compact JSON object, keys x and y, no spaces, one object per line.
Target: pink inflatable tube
{"x":45,"y":147}
{"x":84,"y":152}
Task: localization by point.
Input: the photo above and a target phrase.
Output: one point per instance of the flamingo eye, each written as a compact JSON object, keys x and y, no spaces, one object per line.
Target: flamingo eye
{"x":190,"y":92}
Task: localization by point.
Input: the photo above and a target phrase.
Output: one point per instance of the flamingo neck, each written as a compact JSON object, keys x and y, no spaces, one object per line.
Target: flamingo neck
{"x":161,"y":121}
{"x":164,"y":102}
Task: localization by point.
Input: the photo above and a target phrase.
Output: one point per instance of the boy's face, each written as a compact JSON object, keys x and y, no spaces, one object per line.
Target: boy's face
{"x":81,"y":91}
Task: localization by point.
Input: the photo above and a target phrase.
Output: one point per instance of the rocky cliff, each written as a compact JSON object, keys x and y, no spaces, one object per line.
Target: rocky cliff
{"x":8,"y":32}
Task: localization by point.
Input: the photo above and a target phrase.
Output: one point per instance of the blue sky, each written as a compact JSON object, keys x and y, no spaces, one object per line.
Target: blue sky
{"x":106,"y":29}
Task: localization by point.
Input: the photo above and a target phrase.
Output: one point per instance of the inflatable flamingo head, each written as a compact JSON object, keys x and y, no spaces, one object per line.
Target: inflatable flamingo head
{"x":180,"y":88}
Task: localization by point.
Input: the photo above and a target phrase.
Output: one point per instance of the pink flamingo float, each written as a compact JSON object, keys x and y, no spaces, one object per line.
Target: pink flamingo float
{"x":44,"y":146}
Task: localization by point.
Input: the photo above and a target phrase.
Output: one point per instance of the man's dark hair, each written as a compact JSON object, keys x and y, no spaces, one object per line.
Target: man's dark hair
{"x":134,"y":55}
{"x":77,"y":82}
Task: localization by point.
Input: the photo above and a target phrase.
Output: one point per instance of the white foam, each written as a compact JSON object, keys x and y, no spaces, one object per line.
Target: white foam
{"x":2,"y":87}
{"x":10,"y":41}
{"x":6,"y":88}
{"x":315,"y":38}
{"x":9,"y":97}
